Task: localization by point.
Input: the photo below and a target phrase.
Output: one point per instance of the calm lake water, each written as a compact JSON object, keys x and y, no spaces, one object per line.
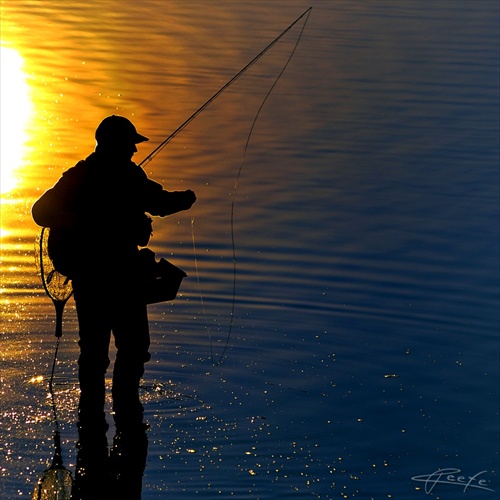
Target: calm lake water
{"x":363,"y":351}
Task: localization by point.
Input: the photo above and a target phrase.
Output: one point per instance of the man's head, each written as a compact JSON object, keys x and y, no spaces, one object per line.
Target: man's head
{"x":118,"y":134}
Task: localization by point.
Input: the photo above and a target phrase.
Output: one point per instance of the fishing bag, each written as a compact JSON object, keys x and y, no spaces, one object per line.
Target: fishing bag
{"x":161,"y":279}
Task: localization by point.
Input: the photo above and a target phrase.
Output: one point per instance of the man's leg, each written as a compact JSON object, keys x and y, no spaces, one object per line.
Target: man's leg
{"x":131,"y":331}
{"x":95,"y":333}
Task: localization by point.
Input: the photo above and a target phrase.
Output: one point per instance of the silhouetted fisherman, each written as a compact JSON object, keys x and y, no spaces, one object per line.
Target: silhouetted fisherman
{"x":97,"y":215}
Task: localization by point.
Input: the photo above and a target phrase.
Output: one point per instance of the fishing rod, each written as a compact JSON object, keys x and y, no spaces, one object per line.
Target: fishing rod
{"x":222,"y":89}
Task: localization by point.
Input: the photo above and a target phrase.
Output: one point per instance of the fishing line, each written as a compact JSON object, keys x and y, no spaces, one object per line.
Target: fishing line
{"x":242,"y":161}
{"x":157,"y":150}
{"x":195,"y":258}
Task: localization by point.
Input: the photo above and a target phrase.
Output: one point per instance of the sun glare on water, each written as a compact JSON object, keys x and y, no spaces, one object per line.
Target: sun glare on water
{"x":15,"y":109}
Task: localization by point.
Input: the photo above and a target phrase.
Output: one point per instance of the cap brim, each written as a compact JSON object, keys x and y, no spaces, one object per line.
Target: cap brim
{"x":140,"y":138}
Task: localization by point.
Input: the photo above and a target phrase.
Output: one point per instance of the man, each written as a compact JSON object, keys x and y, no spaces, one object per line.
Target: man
{"x":96,"y":213}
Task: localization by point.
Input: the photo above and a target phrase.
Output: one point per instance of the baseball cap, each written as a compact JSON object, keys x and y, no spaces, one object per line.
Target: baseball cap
{"x":117,"y":128}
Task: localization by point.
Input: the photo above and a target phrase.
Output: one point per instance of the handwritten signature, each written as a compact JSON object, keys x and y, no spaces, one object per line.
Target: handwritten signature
{"x":450,"y":476}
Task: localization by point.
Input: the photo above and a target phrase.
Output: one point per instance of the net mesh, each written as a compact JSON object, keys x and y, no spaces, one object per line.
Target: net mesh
{"x":54,"y":484}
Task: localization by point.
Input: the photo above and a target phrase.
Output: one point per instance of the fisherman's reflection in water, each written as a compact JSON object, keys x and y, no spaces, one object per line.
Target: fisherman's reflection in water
{"x":98,"y":215}
{"x":116,"y":473}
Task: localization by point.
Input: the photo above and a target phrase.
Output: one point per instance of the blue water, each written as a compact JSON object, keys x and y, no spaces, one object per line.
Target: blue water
{"x":363,"y":347}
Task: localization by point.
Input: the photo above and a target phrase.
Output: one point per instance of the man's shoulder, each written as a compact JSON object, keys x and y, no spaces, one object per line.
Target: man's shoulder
{"x":78,"y":169}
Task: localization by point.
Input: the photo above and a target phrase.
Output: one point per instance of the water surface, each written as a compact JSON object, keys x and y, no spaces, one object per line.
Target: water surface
{"x":363,"y":349}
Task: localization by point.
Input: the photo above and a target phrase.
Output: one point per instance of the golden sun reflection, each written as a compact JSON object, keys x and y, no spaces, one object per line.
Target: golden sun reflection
{"x":15,"y":109}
